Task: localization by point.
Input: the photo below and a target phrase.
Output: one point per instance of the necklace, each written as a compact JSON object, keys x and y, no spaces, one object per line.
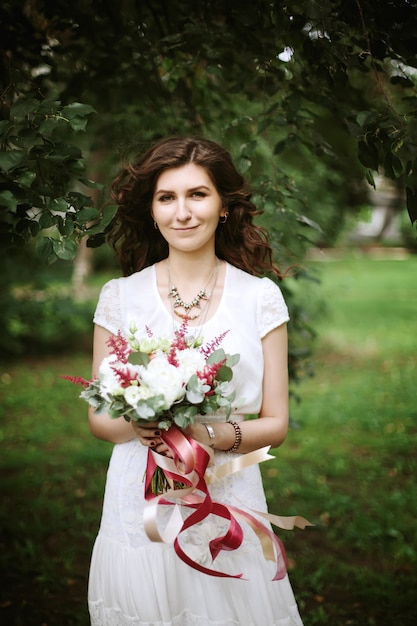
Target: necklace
{"x":195,"y":302}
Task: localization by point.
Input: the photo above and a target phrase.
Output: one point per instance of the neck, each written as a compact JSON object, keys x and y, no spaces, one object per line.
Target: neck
{"x":191,"y":268}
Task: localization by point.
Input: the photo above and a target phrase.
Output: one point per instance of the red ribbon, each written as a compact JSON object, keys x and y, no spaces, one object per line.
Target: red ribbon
{"x":191,"y":460}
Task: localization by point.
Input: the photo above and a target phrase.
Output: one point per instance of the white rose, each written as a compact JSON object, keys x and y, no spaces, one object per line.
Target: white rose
{"x":109,"y":381}
{"x":134,"y":393}
{"x":190,"y":362}
{"x":163,"y":378}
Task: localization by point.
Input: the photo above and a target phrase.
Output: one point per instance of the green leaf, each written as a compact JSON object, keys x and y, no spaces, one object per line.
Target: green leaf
{"x":368,"y":155}
{"x":365,"y":117}
{"x":11,"y":158}
{"x":279,"y":147}
{"x":51,"y":124}
{"x":78,"y":123}
{"x":411,"y":195}
{"x":370,"y":178}
{"x":47,"y":220}
{"x":77,"y":109}
{"x":216,"y":356}
{"x":23,"y":107}
{"x":59,"y":204}
{"x":194,"y":396}
{"x":44,"y":249}
{"x":143,"y":410}
{"x":67,"y":228}
{"x":232,"y":359}
{"x":87,"y":215}
{"x":26,"y":178}
{"x":5,"y":126}
{"x":225,"y":373}
{"x":8,"y":200}
{"x":91,"y":183}
{"x":65,"y":249}
{"x":138,"y":358}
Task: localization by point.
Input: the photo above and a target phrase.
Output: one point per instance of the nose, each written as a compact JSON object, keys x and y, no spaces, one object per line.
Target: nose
{"x":183,"y":210}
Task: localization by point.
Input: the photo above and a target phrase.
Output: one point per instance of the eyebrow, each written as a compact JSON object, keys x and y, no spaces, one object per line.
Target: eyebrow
{"x":191,"y":189}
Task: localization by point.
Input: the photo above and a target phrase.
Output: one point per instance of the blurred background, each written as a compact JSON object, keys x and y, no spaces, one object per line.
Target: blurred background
{"x":317,"y":103}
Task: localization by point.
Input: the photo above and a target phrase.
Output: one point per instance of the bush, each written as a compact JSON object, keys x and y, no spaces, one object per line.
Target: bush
{"x":42,"y":322}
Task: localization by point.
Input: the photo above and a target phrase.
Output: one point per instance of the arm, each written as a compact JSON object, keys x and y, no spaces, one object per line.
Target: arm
{"x":272,"y":425}
{"x":101,"y":425}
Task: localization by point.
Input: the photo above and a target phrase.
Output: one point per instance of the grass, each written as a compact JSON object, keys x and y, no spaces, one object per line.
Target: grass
{"x":349,"y":465}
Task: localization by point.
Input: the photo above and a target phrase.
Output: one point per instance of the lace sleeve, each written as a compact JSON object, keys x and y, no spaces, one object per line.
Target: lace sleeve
{"x":108,"y":312}
{"x":272,"y":310}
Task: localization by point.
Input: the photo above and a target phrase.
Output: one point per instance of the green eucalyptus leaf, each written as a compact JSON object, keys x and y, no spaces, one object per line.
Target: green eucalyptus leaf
{"x":138,"y":358}
{"x":216,"y":356}
{"x":232,"y":359}
{"x":225,"y":374}
{"x":143,"y":410}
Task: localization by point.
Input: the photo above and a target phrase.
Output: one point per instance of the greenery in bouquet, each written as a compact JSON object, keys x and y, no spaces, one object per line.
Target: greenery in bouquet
{"x":163,"y":379}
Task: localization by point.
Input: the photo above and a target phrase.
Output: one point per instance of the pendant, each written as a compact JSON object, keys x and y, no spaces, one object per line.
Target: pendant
{"x":187,"y":306}
{"x":186,"y":317}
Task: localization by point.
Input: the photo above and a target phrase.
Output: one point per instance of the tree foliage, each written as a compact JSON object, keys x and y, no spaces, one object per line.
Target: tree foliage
{"x":312,"y":97}
{"x":277,"y":82}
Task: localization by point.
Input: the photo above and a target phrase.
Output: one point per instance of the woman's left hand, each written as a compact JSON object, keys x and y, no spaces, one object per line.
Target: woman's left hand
{"x":150,"y":436}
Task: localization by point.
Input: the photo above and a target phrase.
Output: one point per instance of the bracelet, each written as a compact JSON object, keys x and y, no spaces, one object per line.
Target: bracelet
{"x":238,"y":437}
{"x":211,"y":434}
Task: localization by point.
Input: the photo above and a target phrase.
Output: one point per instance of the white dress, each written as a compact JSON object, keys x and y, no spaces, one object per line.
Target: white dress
{"x":136,"y":582}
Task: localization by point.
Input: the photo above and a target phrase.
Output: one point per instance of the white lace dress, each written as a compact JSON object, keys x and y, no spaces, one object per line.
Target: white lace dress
{"x":136,"y":582}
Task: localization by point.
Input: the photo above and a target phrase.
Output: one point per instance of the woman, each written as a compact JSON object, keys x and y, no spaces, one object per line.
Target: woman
{"x":189,"y":250}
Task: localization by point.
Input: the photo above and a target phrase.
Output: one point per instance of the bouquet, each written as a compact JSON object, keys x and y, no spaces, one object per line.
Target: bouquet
{"x":156,"y":378}
{"x":171,"y":380}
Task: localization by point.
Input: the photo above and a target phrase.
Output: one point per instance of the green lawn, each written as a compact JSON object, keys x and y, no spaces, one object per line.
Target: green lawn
{"x":349,"y":465}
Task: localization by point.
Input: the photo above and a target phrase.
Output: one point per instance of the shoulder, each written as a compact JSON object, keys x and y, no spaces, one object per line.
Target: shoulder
{"x":242,"y":279}
{"x":260,"y":284}
{"x":113,"y":297}
{"x":260,"y":294}
{"x":127,"y":282}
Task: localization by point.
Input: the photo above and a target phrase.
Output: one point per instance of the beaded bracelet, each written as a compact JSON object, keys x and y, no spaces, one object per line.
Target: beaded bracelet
{"x":238,"y":439}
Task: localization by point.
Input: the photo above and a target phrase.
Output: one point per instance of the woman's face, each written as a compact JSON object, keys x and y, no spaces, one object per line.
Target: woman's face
{"x":186,"y":207}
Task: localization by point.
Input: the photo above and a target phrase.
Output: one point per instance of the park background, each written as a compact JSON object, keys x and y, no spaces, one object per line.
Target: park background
{"x":317,"y":103}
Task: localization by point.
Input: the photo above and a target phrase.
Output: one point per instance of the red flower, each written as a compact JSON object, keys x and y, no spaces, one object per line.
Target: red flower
{"x":210,"y":347}
{"x":119,"y":347}
{"x":208,"y":374}
{"x":78,"y":380}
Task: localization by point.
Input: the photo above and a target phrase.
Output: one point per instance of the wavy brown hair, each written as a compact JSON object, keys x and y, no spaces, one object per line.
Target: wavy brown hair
{"x":133,"y":236}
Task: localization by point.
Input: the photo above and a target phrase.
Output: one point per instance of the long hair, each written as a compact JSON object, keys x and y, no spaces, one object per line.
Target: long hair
{"x":139,"y":244}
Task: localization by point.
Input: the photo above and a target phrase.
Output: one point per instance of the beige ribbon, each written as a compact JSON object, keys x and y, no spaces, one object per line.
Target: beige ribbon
{"x":235,"y":464}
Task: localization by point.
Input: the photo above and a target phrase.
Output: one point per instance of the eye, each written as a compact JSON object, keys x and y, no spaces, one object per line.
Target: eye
{"x":199,"y":194}
{"x":166,"y":197}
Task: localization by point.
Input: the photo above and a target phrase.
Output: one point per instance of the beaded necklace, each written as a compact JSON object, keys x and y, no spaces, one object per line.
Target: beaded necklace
{"x":178,"y":302}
